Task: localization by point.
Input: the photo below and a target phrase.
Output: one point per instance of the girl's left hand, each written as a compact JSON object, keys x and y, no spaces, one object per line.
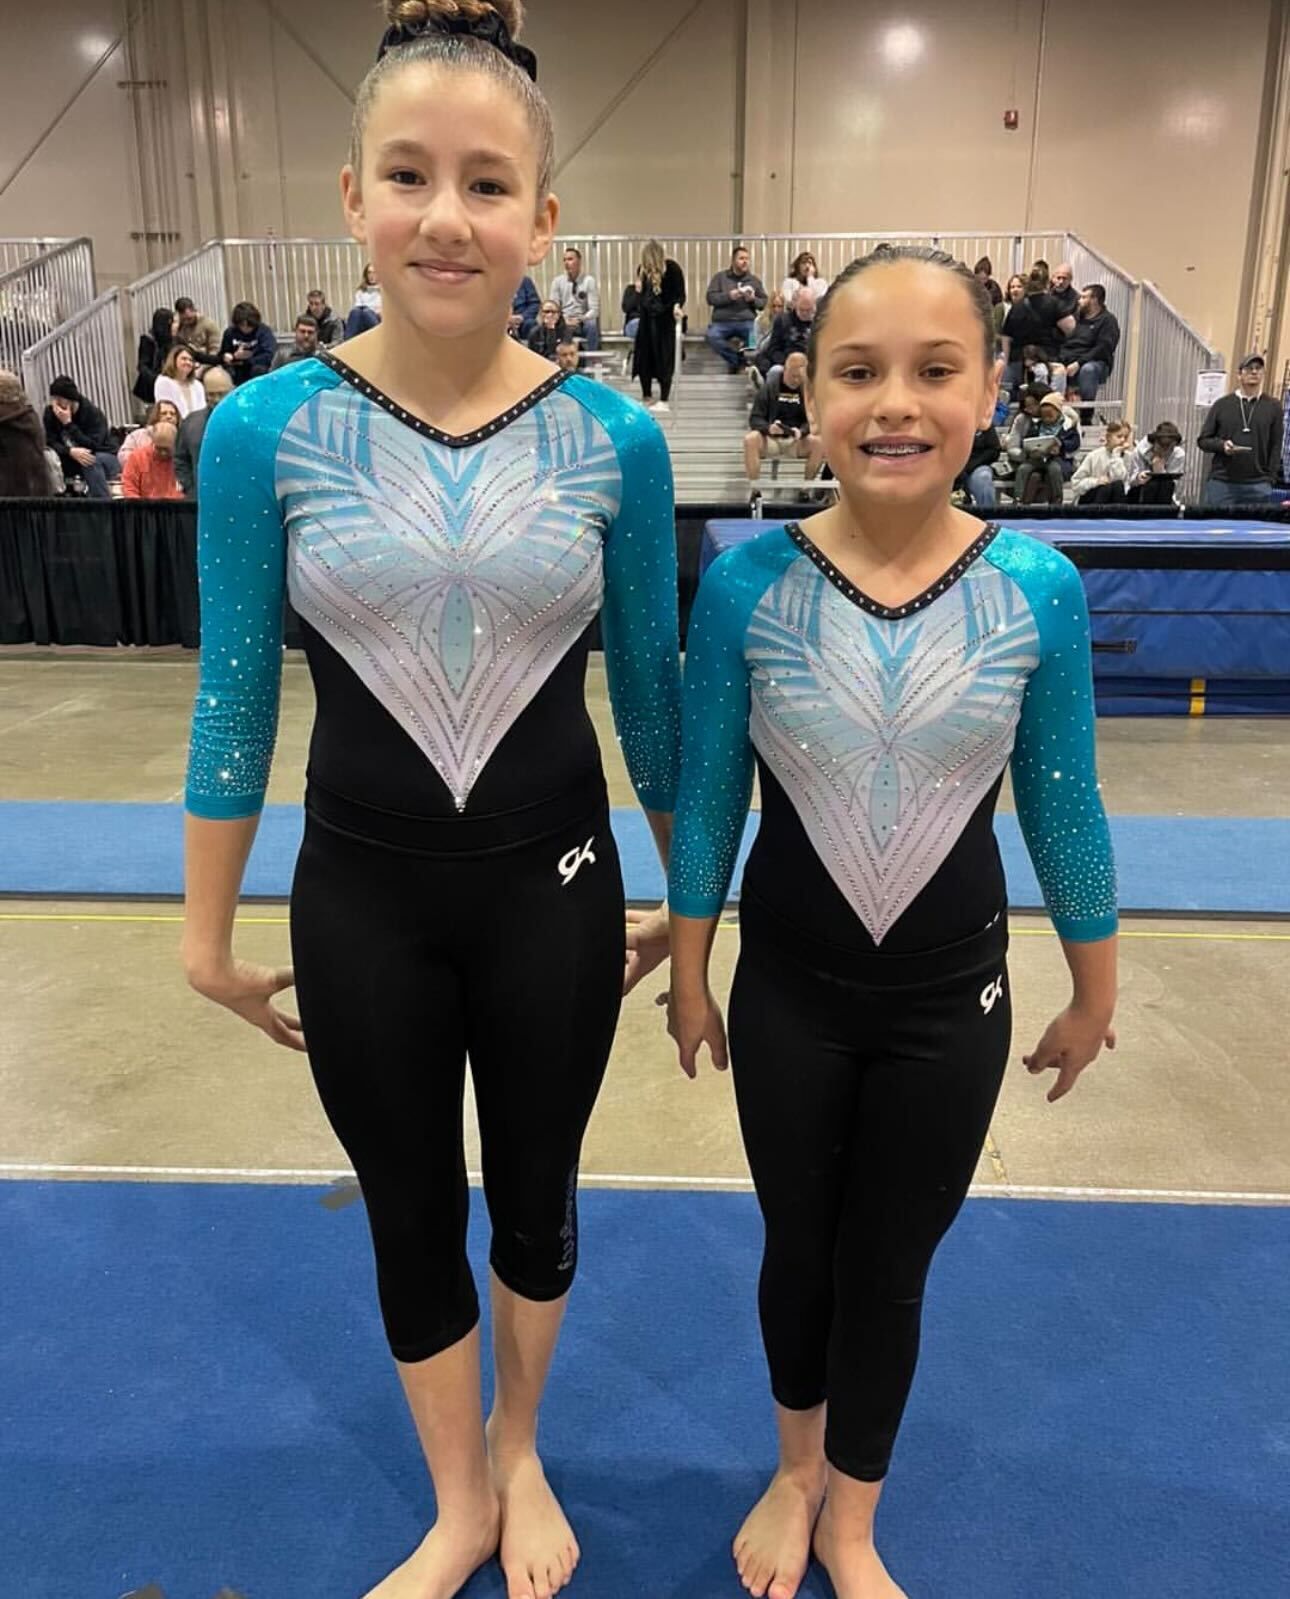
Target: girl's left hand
{"x":1072,"y":1041}
{"x":649,"y":944}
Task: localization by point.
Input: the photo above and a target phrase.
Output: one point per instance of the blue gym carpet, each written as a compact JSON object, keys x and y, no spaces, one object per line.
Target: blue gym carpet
{"x":195,"y":1395}
{"x":1170,"y":864}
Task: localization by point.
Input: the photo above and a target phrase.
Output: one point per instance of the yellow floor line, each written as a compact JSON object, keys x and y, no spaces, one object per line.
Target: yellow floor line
{"x":996,"y":1157}
{"x":725,"y":926}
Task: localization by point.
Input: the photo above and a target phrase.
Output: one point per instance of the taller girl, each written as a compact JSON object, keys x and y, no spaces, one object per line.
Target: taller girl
{"x":450,"y":516}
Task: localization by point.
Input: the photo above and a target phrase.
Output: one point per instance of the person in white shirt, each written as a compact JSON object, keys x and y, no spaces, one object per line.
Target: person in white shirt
{"x":180,"y":384}
{"x":803,"y":274}
{"x":1156,"y":466}
{"x":1101,"y":477}
{"x":576,"y":294}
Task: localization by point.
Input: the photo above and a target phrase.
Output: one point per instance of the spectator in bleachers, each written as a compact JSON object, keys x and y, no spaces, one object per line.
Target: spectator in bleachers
{"x":524,"y":310}
{"x":735,"y":296}
{"x":179,"y":382}
{"x":1087,"y":356}
{"x":984,"y":270}
{"x":661,"y":303}
{"x":304,"y":344}
{"x":25,"y":468}
{"x":566,"y":355}
{"x":248,"y":346}
{"x":1156,"y":466}
{"x":330,"y":328}
{"x":976,"y":480}
{"x":149,"y":474}
{"x":578,"y":297}
{"x":766,"y":317}
{"x":1048,"y":450}
{"x":1243,"y":433}
{"x":1101,"y":477}
{"x":192,"y":430}
{"x":158,"y":411}
{"x":803,"y":274}
{"x":197,"y":333}
{"x":549,"y":334}
{"x":1034,"y":368}
{"x":791,"y":331}
{"x":154,"y":347}
{"x":631,"y":308}
{"x":779,"y":424}
{"x":1031,"y":320}
{"x":1061,"y":285}
{"x":365,"y":312}
{"x":1014,"y":292}
{"x":77,"y":432}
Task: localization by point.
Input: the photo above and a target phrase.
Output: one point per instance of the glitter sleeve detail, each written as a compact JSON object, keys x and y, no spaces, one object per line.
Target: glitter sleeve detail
{"x":1054,"y":764}
{"x":241,"y":574}
{"x":638,"y":619}
{"x":717,"y":764}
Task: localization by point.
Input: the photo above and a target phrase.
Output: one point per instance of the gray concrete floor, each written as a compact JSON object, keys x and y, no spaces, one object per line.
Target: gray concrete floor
{"x":107,"y":1060}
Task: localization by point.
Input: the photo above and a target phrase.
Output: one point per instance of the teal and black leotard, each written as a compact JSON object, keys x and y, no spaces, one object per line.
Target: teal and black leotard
{"x":458,"y":889}
{"x":870,"y":1018}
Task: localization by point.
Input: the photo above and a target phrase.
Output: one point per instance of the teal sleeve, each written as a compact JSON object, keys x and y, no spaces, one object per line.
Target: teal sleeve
{"x":717,"y":755}
{"x":638,"y":619}
{"x":1054,"y":760}
{"x":241,"y":572}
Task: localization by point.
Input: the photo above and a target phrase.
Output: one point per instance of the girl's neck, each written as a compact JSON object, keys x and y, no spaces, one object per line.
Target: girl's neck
{"x":439,"y":378}
{"x":900,"y":535}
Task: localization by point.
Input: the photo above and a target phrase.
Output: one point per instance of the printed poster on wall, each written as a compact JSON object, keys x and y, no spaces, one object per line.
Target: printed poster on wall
{"x":1210,"y":386}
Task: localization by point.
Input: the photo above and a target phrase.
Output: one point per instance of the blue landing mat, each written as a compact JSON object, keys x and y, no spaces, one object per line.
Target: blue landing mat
{"x":195,"y":1394}
{"x":1202,"y":864}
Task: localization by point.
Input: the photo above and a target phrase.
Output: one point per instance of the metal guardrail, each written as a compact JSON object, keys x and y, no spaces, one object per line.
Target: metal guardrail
{"x":17,"y":252}
{"x":40,"y":295}
{"x":1170,"y":354}
{"x":1090,"y":266}
{"x":89,"y":347}
{"x":199,"y":276}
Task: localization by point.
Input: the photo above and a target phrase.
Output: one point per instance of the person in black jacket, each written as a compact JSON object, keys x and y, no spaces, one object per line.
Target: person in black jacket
{"x":977,"y":479}
{"x":791,"y":331}
{"x":330,"y":327}
{"x":1088,"y":353}
{"x":660,"y":299}
{"x":24,"y":465}
{"x":248,"y":346}
{"x":547,"y":337}
{"x":154,"y":347}
{"x":1243,"y":434}
{"x":77,"y":432}
{"x":779,"y":424}
{"x":1032,"y":320}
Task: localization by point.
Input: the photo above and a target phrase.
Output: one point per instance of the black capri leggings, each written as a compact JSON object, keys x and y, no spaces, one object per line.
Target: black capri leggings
{"x":407,"y":961}
{"x":865,"y":1087}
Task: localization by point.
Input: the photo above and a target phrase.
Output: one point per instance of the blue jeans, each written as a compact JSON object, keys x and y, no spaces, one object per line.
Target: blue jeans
{"x":630,"y":329}
{"x":359,"y":320}
{"x":1220,"y":494}
{"x":1011,"y":380}
{"x":106,"y":469}
{"x":1089,"y":379}
{"x":981,"y":487}
{"x":588,"y":331}
{"x":730,"y":340}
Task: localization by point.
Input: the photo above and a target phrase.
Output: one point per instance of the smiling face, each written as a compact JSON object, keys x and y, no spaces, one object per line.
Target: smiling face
{"x":184,"y":366}
{"x":168,"y":411}
{"x":901,"y":382}
{"x":1016,"y":289}
{"x":446,"y":203}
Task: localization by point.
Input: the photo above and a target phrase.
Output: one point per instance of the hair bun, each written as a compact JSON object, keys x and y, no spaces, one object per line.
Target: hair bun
{"x":413,"y":13}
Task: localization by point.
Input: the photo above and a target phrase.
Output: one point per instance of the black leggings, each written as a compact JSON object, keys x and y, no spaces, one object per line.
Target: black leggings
{"x":406,"y":961}
{"x":865,"y":1087}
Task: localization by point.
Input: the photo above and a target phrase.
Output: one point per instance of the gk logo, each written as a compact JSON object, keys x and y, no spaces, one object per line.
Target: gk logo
{"x":990,"y":994}
{"x":573,"y":860}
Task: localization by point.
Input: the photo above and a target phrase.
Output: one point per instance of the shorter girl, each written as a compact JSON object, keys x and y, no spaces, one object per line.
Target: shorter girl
{"x":179,"y":383}
{"x":1100,"y":477}
{"x":1156,"y":466}
{"x":160,"y":411}
{"x":803,"y":274}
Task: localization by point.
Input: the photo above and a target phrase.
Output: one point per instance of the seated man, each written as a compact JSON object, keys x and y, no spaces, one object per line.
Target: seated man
{"x":77,"y":432}
{"x":192,"y":430}
{"x":306,"y":343}
{"x":779,"y":425}
{"x":735,"y":296}
{"x":791,"y":330}
{"x":1087,"y":355}
{"x":330,"y":327}
{"x":576,"y":294}
{"x":566,"y":357}
{"x":150,"y":472}
{"x":524,"y":311}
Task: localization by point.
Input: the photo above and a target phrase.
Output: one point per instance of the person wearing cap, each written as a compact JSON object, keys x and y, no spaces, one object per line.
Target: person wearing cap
{"x":1243,"y":435}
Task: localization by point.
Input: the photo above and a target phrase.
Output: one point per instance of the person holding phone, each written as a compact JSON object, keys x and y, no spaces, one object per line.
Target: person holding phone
{"x":248,"y":346}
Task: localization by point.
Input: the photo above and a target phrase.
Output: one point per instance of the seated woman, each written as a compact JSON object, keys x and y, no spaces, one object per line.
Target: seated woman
{"x":160,"y":411}
{"x":1155,"y":467}
{"x":154,"y":347}
{"x":366,"y":310}
{"x":1100,"y":477}
{"x":550,"y":333}
{"x":178,"y":383}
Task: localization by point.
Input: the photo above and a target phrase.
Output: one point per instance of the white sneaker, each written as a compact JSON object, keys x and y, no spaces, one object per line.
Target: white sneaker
{"x":660,"y":405}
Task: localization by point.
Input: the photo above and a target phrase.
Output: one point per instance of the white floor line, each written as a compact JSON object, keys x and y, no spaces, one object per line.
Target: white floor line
{"x":319,"y":1174}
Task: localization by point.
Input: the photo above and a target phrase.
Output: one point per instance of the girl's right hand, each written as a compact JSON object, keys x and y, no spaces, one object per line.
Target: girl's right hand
{"x":246,"y":990}
{"x":694,"y":1020}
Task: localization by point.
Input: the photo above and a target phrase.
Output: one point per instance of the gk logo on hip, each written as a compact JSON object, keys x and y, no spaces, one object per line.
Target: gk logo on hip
{"x":990,"y":994}
{"x":573,"y":860}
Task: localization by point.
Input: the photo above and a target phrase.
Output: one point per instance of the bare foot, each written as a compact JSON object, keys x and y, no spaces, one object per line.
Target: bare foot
{"x":852,"y":1563}
{"x":539,"y":1551}
{"x":449,"y":1555}
{"x":773,"y":1547}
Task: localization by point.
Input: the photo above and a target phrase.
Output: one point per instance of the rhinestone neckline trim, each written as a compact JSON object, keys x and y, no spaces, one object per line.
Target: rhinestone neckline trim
{"x":891,"y":613}
{"x":455,"y":441}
